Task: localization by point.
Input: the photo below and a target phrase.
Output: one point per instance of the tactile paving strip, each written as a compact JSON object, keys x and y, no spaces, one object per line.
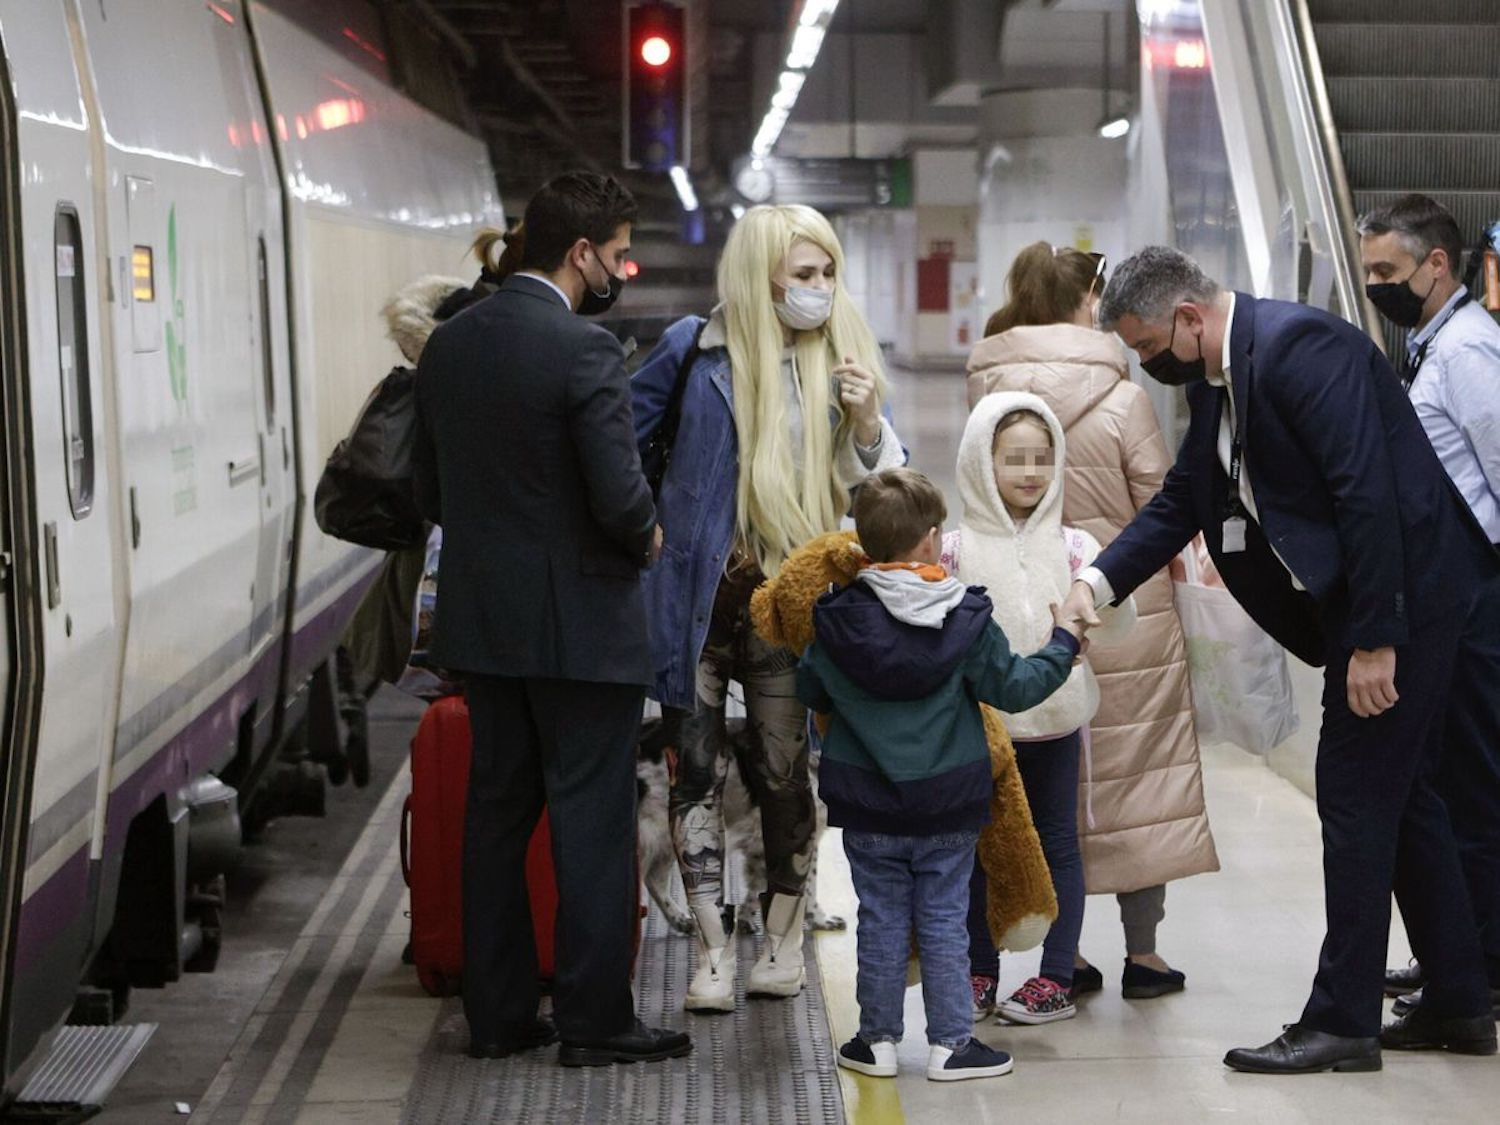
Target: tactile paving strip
{"x":769,"y":1061}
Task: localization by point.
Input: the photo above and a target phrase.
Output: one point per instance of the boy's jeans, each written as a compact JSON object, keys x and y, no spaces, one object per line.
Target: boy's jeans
{"x":906,"y":883}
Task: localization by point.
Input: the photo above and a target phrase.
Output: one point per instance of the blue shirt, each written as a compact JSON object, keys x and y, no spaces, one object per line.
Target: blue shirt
{"x":1456,"y":393}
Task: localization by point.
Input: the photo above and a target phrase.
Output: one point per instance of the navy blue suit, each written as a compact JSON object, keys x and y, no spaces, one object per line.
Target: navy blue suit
{"x":1358,"y":506}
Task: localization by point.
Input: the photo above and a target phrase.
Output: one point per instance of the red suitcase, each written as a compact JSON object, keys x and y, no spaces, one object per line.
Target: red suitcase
{"x":432,"y":839}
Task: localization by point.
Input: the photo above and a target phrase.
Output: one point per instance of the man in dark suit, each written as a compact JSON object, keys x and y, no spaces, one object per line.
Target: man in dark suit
{"x":1332,"y":523}
{"x":527,"y":458}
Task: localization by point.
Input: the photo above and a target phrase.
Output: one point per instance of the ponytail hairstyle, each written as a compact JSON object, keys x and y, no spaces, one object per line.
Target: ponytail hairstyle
{"x":1046,"y":284}
{"x":496,"y":264}
{"x":787,"y":496}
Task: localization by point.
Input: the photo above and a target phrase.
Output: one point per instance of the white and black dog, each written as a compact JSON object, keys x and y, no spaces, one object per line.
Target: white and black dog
{"x":742,"y":834}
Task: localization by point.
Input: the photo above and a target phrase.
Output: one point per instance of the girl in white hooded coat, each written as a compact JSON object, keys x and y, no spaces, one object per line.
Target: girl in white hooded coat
{"x":1011,"y":540}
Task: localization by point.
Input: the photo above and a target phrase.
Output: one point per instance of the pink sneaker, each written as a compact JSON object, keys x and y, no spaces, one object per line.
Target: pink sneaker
{"x":1039,"y":1000}
{"x":984,"y":996}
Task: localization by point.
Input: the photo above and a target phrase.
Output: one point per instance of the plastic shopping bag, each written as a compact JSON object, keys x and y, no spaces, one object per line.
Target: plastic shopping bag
{"x":421,"y":677}
{"x":1242,"y":691}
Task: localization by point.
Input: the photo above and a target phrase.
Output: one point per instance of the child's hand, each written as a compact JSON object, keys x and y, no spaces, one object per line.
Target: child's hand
{"x":1077,"y":625}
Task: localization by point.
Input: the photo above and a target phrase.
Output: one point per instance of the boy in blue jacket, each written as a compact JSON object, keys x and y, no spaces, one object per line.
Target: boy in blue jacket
{"x":903,"y":657}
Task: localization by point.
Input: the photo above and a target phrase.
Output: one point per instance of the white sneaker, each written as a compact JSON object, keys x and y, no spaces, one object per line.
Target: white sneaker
{"x":780,"y":971}
{"x":973,"y":1060}
{"x":878,"y":1060}
{"x":712,"y":987}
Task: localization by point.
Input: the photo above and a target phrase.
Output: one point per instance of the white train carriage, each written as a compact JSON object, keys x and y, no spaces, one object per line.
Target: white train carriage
{"x":202,"y":209}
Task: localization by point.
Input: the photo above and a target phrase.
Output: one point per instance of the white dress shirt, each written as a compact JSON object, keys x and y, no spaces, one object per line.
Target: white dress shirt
{"x":1456,"y":394}
{"x":552,"y":285}
{"x":1103,"y":592}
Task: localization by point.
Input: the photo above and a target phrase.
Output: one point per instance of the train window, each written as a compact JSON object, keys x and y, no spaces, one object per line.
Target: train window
{"x":268,"y":370}
{"x":142,"y":274}
{"x":73,"y":361}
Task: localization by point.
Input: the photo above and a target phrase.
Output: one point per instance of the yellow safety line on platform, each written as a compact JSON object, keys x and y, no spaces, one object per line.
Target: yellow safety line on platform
{"x":867,"y":1101}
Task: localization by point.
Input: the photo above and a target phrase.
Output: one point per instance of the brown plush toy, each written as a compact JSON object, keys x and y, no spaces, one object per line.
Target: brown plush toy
{"x":1022,"y":905}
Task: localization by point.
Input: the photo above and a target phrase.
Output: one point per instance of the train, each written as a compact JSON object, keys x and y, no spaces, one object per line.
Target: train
{"x":203,"y":207}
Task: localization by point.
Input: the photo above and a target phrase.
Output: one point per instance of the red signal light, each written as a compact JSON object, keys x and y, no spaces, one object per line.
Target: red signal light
{"x":632,"y":269}
{"x":656,"y":51}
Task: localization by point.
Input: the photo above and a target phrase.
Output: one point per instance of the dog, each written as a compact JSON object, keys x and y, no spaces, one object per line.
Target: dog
{"x":743,"y":842}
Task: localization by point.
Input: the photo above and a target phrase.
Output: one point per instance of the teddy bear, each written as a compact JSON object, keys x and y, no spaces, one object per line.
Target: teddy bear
{"x":1022,"y":904}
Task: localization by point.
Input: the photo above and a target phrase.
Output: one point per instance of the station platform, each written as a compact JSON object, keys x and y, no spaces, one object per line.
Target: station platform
{"x":312,"y":1017}
{"x":335,"y":1028}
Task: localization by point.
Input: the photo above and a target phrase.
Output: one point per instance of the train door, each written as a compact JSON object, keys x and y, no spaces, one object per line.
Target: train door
{"x":73,"y":544}
{"x":273,"y":410}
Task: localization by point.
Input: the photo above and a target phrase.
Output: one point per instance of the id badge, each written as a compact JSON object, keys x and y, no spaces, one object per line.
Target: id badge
{"x":1234,"y":535}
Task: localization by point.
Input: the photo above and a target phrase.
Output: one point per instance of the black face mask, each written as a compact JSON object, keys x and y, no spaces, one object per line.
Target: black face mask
{"x":595,"y":302}
{"x":1397,"y":303}
{"x":1166,"y":368}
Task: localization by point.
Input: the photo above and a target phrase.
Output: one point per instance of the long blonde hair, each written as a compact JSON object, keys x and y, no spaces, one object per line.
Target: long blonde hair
{"x":778,"y":507}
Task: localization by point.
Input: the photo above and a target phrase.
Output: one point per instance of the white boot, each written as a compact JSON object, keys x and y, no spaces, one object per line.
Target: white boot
{"x":780,"y":970}
{"x":712,"y":989}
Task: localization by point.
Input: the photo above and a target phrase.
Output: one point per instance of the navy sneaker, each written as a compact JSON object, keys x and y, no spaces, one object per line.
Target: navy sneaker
{"x":973,"y":1060}
{"x":878,"y":1060}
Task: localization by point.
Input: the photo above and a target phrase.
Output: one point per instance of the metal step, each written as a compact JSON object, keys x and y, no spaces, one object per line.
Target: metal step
{"x":1404,"y":11}
{"x":82,"y":1068}
{"x":1416,"y":105}
{"x":1409,"y":50}
{"x":1473,"y":210}
{"x":1422,"y":161}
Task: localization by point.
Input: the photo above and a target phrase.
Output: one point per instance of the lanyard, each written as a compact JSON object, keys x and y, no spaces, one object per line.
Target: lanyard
{"x":1236,"y":506}
{"x":1409,"y":376}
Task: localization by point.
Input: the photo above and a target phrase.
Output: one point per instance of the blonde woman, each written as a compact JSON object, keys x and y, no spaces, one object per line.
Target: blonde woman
{"x":781,"y":417}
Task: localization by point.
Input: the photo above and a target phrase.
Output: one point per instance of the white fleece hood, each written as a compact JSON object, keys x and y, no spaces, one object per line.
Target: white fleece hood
{"x":1025,"y":570}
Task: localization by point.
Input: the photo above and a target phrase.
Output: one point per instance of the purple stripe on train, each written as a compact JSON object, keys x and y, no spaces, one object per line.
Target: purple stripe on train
{"x":198,"y":747}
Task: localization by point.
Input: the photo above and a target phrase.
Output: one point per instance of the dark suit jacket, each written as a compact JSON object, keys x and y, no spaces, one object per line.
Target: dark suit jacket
{"x":1346,"y":483}
{"x":526,"y":456}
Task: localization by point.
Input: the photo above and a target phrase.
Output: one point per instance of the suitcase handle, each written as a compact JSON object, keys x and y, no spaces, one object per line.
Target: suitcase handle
{"x":406,"y":840}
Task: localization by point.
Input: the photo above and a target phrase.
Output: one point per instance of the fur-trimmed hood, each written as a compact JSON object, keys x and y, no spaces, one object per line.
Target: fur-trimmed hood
{"x":411,"y":315}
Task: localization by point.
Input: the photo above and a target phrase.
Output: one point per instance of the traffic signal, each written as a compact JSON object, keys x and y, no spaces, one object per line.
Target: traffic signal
{"x":655,"y":87}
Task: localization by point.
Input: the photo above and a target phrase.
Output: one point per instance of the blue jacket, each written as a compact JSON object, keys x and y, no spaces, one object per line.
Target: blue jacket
{"x":696,"y":506}
{"x":1347,"y":484}
{"x":906,"y":753}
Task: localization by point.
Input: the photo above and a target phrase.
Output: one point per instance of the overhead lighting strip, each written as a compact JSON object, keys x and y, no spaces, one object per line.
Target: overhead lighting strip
{"x":813,"y":19}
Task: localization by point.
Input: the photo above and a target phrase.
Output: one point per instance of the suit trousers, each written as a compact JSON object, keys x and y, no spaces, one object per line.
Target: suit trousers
{"x":1469,"y":779}
{"x":1384,"y":828}
{"x":571,"y":746}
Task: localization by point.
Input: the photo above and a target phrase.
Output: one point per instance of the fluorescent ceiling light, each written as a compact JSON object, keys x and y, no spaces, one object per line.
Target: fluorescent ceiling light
{"x":817,"y":12}
{"x":684,"y":187}
{"x":770,"y":129}
{"x":1115,"y":128}
{"x":806,"y":44}
{"x":788,"y":87}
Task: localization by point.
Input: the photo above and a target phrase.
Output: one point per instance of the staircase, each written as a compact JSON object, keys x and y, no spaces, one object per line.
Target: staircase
{"x":1414,"y":88}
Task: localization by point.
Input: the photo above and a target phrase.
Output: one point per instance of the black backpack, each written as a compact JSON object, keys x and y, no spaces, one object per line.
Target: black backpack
{"x":366,"y":494}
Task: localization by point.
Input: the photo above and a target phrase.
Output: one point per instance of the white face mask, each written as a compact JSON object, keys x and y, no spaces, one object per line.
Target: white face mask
{"x":805,"y":308}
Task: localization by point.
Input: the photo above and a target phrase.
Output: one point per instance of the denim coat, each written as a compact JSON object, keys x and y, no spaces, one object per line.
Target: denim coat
{"x":696,"y":507}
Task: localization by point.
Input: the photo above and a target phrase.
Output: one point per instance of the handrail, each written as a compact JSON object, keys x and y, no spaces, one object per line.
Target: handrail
{"x":1346,"y":246}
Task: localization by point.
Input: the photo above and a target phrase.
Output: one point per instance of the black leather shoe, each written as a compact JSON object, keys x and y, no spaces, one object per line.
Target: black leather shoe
{"x":1300,"y":1050}
{"x":1406,"y":1003}
{"x":639,"y":1044}
{"x":539,"y":1034}
{"x":1087,"y":979}
{"x":1419,"y":1030}
{"x":1398,"y":982}
{"x":1142,"y":982}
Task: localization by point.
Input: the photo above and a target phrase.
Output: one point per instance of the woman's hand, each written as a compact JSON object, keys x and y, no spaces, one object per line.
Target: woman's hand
{"x":857,"y":396}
